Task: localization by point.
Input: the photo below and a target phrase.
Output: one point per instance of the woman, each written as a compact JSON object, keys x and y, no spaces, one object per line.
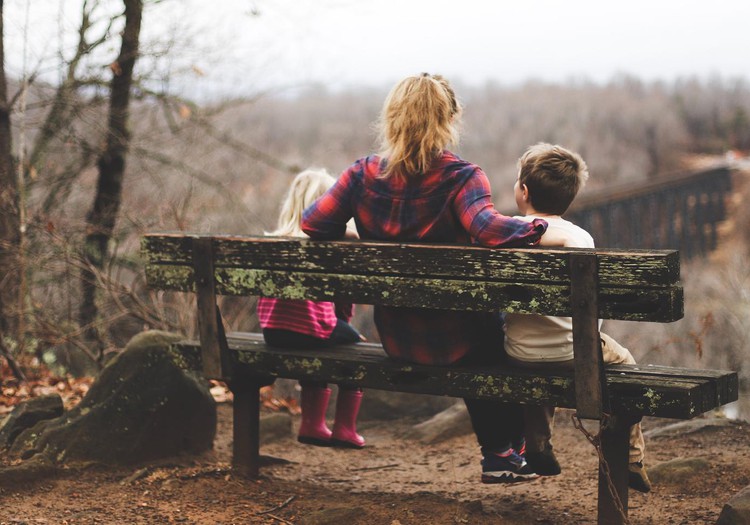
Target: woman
{"x":417,"y":190}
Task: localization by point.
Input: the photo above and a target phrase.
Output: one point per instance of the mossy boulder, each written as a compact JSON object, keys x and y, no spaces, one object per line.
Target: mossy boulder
{"x":28,"y":414}
{"x":385,"y":405}
{"x":142,"y":407}
{"x":677,"y":470}
{"x":452,"y":422}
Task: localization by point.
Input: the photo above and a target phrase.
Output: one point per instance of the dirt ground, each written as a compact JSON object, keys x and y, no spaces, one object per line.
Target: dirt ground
{"x":393,"y":481}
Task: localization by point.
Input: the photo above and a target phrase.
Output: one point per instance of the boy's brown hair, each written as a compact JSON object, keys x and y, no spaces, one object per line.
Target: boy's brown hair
{"x":553,"y":176}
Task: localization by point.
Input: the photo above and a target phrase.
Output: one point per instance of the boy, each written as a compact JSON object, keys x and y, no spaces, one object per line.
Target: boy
{"x":549,"y":177}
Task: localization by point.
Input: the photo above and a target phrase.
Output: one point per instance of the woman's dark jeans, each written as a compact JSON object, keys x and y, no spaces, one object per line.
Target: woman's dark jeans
{"x":497,"y":425}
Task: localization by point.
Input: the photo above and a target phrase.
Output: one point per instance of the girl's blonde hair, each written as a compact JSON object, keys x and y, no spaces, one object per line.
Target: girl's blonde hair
{"x":419,"y":119}
{"x":305,"y":189}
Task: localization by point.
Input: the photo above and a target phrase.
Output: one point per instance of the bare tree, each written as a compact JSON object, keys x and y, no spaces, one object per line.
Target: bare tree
{"x":103,"y":214}
{"x":9,"y":217}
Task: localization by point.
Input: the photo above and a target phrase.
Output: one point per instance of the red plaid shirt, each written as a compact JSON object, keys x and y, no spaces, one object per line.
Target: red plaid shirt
{"x":451,"y":203}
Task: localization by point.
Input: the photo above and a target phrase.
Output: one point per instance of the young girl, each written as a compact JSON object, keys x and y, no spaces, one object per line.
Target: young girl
{"x":310,"y":324}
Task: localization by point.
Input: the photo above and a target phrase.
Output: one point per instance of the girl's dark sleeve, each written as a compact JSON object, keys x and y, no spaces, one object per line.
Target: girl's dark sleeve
{"x":326,"y":218}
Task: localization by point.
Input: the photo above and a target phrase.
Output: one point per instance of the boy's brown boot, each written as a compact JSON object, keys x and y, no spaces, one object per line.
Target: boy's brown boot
{"x":543,"y":462}
{"x":638,"y":477}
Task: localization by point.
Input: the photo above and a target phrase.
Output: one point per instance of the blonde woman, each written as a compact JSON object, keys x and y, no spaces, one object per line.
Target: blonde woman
{"x":418,"y":190}
{"x":310,"y":324}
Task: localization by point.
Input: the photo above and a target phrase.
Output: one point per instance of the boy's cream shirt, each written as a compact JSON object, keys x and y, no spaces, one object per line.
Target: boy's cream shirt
{"x":538,"y":338}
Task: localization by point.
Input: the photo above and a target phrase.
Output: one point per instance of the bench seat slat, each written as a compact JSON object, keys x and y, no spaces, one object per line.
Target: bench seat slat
{"x":635,"y":304}
{"x":727,"y":382}
{"x":620,"y":267}
{"x":367,"y":366}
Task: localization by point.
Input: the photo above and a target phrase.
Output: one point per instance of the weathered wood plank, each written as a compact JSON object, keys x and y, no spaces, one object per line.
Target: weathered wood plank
{"x":591,"y":396}
{"x":727,"y":381}
{"x":613,"y":504}
{"x":723,"y":389}
{"x":635,"y":304}
{"x":621,"y":267}
{"x":209,"y":317}
{"x":365,"y":365}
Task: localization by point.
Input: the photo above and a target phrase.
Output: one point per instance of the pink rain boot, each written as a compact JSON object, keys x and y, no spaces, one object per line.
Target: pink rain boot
{"x":313,"y":429}
{"x":345,"y":424}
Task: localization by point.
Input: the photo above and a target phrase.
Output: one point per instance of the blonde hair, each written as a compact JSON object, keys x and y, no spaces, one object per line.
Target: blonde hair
{"x":306,"y":187}
{"x":418,"y":120}
{"x":553,"y":176}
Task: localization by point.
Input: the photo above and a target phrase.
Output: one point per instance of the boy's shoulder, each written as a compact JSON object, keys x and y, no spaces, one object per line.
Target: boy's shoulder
{"x":577,"y":236}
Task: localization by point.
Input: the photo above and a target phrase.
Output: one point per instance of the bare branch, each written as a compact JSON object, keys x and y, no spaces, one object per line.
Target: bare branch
{"x":247,"y":150}
{"x":63,"y":107}
{"x":7,"y":354}
{"x":197,"y":174}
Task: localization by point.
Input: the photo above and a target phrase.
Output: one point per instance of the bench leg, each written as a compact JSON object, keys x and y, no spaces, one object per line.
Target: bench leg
{"x":246,"y":421}
{"x":615,"y":449}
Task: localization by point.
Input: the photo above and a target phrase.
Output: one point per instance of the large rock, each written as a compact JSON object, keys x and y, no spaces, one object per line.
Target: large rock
{"x":691,"y":426}
{"x":676,"y":470}
{"x":274,"y":426}
{"x":38,"y":467}
{"x":737,"y":509}
{"x":381,"y":404}
{"x":142,"y":407}
{"x":452,"y":422}
{"x":28,"y":414}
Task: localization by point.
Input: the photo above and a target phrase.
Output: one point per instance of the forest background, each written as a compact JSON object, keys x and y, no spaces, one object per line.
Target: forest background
{"x":101,"y":142}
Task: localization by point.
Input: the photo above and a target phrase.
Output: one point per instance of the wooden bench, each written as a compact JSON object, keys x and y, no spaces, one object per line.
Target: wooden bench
{"x":585,"y":284}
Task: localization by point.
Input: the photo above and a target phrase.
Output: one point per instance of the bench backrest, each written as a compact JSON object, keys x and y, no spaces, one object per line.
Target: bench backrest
{"x":637,"y":285}
{"x":586,"y":285}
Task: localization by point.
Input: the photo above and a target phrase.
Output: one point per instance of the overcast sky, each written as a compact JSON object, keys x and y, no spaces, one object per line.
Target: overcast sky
{"x":340,"y":43}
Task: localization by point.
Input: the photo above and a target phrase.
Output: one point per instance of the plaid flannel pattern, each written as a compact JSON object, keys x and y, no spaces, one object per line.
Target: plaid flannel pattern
{"x":451,"y":203}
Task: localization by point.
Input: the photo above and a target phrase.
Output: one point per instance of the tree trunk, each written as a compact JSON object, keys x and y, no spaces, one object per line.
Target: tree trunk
{"x":9,"y":218}
{"x":100,"y":221}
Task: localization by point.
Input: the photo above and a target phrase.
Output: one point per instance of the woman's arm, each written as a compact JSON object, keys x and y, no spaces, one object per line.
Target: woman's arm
{"x":487,"y":226}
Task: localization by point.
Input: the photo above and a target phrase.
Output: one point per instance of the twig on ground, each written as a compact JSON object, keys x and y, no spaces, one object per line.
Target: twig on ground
{"x":379,"y":467}
{"x":208,"y":473}
{"x":282,"y":520}
{"x":277,"y":507}
{"x":135,"y":476}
